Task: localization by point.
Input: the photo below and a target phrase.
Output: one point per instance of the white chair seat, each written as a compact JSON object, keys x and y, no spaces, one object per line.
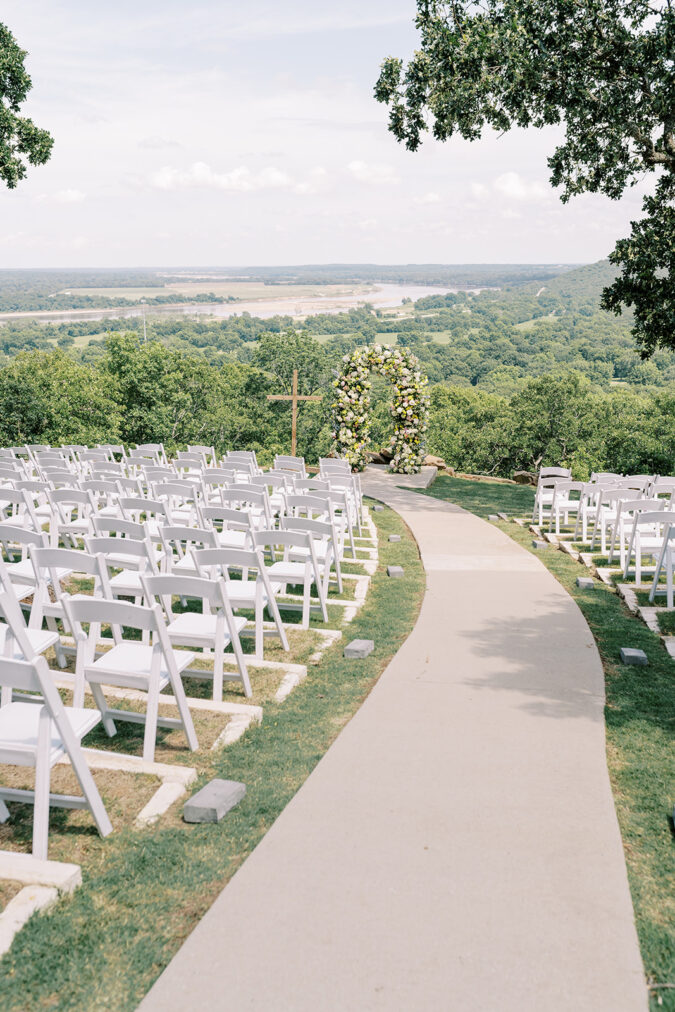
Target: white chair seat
{"x":23,"y":571}
{"x":242,"y":593}
{"x":193,"y":625}
{"x":287,"y":571}
{"x":19,"y":724}
{"x":130,"y":663}
{"x":185,"y":566}
{"x":233,"y":539}
{"x":40,"y":640}
{"x":320,"y":552}
{"x":127,"y":582}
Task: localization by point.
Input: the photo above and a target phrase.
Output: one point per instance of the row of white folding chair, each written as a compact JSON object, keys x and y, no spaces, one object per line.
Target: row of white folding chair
{"x":102,"y":556}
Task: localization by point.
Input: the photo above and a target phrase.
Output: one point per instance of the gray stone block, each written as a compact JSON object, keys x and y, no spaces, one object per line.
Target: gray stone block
{"x":377,"y":509}
{"x":493,"y":517}
{"x":630,"y":655}
{"x":213,"y":801}
{"x":586,"y":582}
{"x":536,"y":543}
{"x":395,"y":571}
{"x":394,"y":537}
{"x":358,"y":649}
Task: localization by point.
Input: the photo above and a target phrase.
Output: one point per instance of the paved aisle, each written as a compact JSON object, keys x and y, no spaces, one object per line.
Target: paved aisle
{"x":457,"y":847}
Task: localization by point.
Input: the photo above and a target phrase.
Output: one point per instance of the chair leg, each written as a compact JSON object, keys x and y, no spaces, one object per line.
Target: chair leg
{"x":259,"y":632}
{"x":99,"y":699}
{"x":305,"y":602}
{"x":42,"y":777}
{"x":184,"y":711}
{"x":151,"y":715}
{"x":218,"y":665}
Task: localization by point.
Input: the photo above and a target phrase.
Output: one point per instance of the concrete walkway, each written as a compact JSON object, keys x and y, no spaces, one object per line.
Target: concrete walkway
{"x":457,"y":847}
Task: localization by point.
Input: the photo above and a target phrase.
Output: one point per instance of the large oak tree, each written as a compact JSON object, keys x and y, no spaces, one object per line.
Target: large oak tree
{"x":604,"y":70}
{"x":21,"y":141}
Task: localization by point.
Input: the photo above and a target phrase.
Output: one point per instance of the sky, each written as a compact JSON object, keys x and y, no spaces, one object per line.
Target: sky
{"x":227,"y":133}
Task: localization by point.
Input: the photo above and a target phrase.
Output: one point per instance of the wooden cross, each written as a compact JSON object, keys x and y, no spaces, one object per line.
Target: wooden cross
{"x":294,"y":397}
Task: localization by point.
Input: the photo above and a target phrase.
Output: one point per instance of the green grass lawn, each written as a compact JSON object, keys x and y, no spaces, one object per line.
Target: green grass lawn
{"x":143,"y":891}
{"x":640,"y":720}
{"x":484,"y":497}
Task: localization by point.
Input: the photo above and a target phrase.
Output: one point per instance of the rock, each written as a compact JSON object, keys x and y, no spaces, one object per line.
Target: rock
{"x":213,"y":801}
{"x":629,"y":655}
{"x":396,"y":571}
{"x":394,"y":537}
{"x":586,"y":582}
{"x":387,"y":455}
{"x":430,"y":461}
{"x":376,"y":458}
{"x":358,"y":649}
{"x":493,"y":518}
{"x":536,"y":543}
{"x":524,"y":478}
{"x":377,"y":508}
{"x":450,"y":471}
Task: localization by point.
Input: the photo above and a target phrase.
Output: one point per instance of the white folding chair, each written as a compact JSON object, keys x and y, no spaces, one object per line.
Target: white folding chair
{"x":180,"y":542}
{"x":139,"y":557}
{"x":253,"y":591}
{"x":647,"y":538}
{"x":326,"y":546}
{"x":214,"y":628}
{"x":233,"y":527}
{"x":51,"y":566}
{"x":288,"y":572}
{"x":38,"y":734}
{"x":130,"y":664}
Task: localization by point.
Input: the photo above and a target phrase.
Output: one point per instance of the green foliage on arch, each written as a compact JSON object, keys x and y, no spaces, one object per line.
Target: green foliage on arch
{"x":409,"y":408}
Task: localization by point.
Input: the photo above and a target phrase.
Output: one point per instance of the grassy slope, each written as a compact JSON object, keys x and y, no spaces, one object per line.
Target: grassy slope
{"x":640,"y":719}
{"x":144,"y":891}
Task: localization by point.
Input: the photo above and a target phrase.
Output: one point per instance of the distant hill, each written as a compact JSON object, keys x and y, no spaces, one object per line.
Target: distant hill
{"x":583,"y":285}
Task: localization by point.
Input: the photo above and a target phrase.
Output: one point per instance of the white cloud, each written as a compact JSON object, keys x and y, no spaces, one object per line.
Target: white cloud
{"x":61,"y":197}
{"x":158,"y":142}
{"x":479,"y":191}
{"x":317,"y":177}
{"x":513,"y":186}
{"x":367,"y":225}
{"x":202,"y":176}
{"x":428,"y":198}
{"x":372,"y":173}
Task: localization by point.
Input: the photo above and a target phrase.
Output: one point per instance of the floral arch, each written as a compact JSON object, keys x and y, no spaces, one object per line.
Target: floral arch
{"x":409,"y":408}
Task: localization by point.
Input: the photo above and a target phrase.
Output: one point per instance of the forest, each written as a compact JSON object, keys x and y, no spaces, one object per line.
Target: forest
{"x":532,"y":373}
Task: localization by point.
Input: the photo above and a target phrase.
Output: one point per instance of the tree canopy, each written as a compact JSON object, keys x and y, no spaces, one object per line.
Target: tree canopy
{"x":21,"y":141}
{"x":604,"y":69}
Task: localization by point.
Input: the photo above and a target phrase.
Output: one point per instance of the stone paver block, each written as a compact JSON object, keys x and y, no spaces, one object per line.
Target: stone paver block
{"x":359,"y":649}
{"x":585,"y":582}
{"x":536,"y":543}
{"x":213,"y":801}
{"x":629,"y":655}
{"x":394,"y":537}
{"x":377,"y":509}
{"x":396,"y":571}
{"x":493,"y":517}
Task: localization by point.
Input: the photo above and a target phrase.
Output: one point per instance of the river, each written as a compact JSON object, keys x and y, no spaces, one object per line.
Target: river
{"x":383,"y":296}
